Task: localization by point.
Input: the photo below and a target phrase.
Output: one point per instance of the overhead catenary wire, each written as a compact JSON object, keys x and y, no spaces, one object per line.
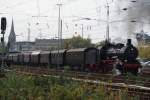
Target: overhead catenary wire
{"x":15,"y":5}
{"x":56,"y":20}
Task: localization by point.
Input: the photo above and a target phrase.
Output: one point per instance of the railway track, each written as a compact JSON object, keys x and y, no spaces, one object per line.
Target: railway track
{"x":140,"y":80}
{"x":55,"y":72}
{"x":91,"y":78}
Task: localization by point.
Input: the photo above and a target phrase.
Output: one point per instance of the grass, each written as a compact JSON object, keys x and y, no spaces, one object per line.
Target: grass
{"x":22,"y":87}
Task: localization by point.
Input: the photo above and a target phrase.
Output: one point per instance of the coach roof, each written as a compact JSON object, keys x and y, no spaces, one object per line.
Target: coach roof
{"x":81,"y":49}
{"x":60,"y":51}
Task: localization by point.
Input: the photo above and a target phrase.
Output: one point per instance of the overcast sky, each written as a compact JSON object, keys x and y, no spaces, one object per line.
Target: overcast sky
{"x":24,"y":14}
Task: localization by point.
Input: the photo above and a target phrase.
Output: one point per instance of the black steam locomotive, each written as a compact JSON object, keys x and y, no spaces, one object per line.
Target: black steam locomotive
{"x":123,"y":57}
{"x":83,"y":59}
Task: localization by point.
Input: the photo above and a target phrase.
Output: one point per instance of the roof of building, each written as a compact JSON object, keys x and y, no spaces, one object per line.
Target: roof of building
{"x":12,"y":35}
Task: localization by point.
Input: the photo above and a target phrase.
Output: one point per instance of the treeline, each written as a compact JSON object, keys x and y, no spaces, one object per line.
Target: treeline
{"x":77,"y":42}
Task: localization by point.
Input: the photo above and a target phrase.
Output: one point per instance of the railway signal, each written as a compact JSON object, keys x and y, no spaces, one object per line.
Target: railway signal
{"x":3,"y":24}
{"x":2,"y":39}
{"x":3,"y":29}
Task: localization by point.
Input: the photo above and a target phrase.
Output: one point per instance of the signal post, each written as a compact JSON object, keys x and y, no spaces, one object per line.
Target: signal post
{"x":3,"y":29}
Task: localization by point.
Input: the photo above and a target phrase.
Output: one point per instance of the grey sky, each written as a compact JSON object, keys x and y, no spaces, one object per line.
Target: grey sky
{"x":22,"y":11}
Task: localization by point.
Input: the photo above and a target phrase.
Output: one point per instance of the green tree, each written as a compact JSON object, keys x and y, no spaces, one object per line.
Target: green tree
{"x":5,"y":48}
{"x":77,"y":42}
{"x":101,"y":43}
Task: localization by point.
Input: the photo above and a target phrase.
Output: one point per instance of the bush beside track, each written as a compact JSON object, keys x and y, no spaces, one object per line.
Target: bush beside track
{"x":128,"y":78}
{"x":27,"y":87}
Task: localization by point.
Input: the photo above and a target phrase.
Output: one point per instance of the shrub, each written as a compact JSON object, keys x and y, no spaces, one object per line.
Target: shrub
{"x":144,"y":52}
{"x":22,"y":87}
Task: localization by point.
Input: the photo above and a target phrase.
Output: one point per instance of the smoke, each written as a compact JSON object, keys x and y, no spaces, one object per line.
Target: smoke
{"x":131,"y":17}
{"x":137,"y":14}
{"x":134,"y":16}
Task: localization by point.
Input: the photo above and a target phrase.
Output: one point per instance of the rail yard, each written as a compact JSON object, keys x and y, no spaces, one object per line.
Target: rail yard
{"x":87,"y":50}
{"x":139,"y":86}
{"x":90,"y":65}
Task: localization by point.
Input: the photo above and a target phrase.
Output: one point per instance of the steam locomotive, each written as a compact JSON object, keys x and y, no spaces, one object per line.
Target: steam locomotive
{"x":83,"y":59}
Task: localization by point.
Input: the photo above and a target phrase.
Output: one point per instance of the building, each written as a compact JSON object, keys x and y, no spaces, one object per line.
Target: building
{"x":12,"y":39}
{"x":25,"y":46}
{"x":143,"y":38}
{"x":46,"y":44}
{"x":38,"y":44}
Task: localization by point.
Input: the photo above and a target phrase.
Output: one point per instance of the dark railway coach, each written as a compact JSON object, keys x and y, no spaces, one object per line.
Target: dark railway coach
{"x":10,"y":57}
{"x":82,"y":59}
{"x":27,"y":58}
{"x":35,"y":58}
{"x":20,"y":58}
{"x":15,"y":58}
{"x":45,"y":58}
{"x":58,"y":57}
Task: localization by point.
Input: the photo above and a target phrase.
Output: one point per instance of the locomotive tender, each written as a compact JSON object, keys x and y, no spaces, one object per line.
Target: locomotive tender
{"x":83,"y":59}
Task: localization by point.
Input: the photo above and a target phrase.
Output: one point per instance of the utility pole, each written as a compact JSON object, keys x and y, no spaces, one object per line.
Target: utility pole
{"x":59,"y":30}
{"x":61,"y":34}
{"x":39,"y":16}
{"x":40,"y":33}
{"x":107,"y":29}
{"x":29,"y":32}
{"x":82,"y":30}
{"x":59,"y":22}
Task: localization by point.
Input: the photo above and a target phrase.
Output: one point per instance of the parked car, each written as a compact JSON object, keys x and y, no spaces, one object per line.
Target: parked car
{"x":143,"y":62}
{"x":146,"y":64}
{"x":146,"y":68}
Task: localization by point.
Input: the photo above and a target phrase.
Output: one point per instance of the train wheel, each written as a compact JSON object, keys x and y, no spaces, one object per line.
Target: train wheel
{"x":134,"y":71}
{"x":139,"y":70}
{"x":87,"y":70}
{"x":82,"y":68}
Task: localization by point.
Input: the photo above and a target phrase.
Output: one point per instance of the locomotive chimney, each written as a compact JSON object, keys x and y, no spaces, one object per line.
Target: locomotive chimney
{"x":129,"y":42}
